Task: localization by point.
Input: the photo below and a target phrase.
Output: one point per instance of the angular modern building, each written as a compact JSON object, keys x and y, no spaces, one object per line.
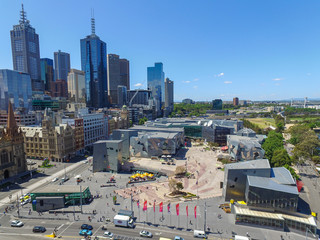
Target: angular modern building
{"x":156,"y":85}
{"x":169,"y":97}
{"x":61,"y":65}
{"x":16,"y":87}
{"x":77,"y":86}
{"x":47,"y":76}
{"x":25,"y":51}
{"x":138,"y":96}
{"x":94,"y":64}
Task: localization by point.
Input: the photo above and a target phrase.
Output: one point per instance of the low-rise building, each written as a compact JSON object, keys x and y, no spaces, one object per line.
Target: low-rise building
{"x":77,"y":126}
{"x":49,"y":141}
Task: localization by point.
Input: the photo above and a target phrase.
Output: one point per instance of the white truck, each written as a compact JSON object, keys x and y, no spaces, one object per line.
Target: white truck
{"x":123,"y":221}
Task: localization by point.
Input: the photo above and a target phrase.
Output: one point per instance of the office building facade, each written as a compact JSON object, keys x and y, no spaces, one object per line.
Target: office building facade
{"x":113,"y":65}
{"x":61,"y":65}
{"x":94,"y":64}
{"x":235,"y":101}
{"x":168,"y":105}
{"x":122,"y":95}
{"x":77,"y":86}
{"x":124,"y":73}
{"x":138,"y":96}
{"x":16,"y":87}
{"x":156,"y":85}
{"x":47,"y":76}
{"x":59,"y":88}
{"x":25,"y":50}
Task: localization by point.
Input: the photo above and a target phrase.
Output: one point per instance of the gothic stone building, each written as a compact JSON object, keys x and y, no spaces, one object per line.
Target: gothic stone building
{"x":12,"y":157}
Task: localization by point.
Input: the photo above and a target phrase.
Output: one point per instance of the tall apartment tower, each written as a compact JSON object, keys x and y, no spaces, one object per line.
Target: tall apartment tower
{"x":94,"y":64}
{"x":46,"y":65}
{"x":61,"y":65}
{"x":169,"y":98}
{"x":77,"y":86}
{"x":25,"y":51}
{"x":124,"y":73}
{"x":113,"y":65}
{"x":156,"y":85}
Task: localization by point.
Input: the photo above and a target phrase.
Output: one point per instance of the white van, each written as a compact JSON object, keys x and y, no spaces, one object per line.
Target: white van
{"x":199,"y":234}
{"x":238,"y":237}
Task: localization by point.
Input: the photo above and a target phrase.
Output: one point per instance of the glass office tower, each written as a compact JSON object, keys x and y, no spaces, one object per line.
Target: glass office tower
{"x":46,"y":65}
{"x":25,"y":50}
{"x":156,"y":85}
{"x":16,"y":87}
{"x":94,"y":64}
{"x":61,"y":65}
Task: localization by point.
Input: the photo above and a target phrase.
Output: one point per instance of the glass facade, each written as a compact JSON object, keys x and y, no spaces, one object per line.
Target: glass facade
{"x":156,"y":85}
{"x":46,"y":65}
{"x":94,"y":64}
{"x":25,"y":51}
{"x":61,"y":65}
{"x":16,"y":87}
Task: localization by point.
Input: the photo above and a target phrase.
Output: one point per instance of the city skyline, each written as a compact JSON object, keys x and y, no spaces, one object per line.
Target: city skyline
{"x":257,"y":51}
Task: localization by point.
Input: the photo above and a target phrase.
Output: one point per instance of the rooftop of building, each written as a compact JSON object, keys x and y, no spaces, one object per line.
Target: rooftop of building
{"x":254,"y":164}
{"x":282,"y":175}
{"x":141,"y":128}
{"x":166,"y":135}
{"x":271,"y":184}
{"x":109,"y":141}
{"x":61,"y":189}
{"x":246,"y":131}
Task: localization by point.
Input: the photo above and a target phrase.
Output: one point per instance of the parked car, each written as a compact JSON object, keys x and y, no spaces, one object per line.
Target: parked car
{"x":86,"y":226}
{"x":16,"y":223}
{"x":104,"y":227}
{"x":85,"y":232}
{"x":108,"y":234}
{"x":39,"y":229}
{"x":145,"y":233}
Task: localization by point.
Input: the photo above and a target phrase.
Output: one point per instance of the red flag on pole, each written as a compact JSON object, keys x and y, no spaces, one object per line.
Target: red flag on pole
{"x":145,"y":206}
{"x":161,"y":207}
{"x":154,"y":206}
{"x":187,"y":211}
{"x":195,"y":211}
{"x":177,"y":209}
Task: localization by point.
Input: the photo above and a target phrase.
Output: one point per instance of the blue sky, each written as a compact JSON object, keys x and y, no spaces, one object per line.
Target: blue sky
{"x":254,"y":50}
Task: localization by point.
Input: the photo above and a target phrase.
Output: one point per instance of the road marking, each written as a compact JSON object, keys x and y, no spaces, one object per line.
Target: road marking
{"x":60,"y":227}
{"x":60,"y":234}
{"x":97,"y":230}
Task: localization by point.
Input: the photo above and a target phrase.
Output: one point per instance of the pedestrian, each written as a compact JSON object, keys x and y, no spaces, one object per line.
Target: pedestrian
{"x":4,"y":212}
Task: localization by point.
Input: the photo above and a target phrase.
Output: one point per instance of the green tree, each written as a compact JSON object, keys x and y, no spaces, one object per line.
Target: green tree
{"x":179,"y":186}
{"x":307,"y":146}
{"x":292,"y":171}
{"x":280,"y":158}
{"x":297,"y":133}
{"x":273,"y":142}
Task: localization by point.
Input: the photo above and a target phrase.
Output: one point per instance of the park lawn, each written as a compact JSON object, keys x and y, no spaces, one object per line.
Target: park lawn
{"x":263,"y":122}
{"x":302,"y":118}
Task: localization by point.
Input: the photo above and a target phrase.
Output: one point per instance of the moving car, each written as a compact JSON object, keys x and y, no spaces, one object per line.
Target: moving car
{"x":55,"y":179}
{"x":86,"y":226}
{"x":199,"y":234}
{"x":39,"y":229}
{"x":108,"y":234}
{"x":178,"y":238}
{"x":16,"y":223}
{"x":85,"y":232}
{"x":145,"y":233}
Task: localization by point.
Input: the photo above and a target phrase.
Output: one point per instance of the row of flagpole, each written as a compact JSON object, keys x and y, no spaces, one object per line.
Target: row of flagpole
{"x":145,"y":208}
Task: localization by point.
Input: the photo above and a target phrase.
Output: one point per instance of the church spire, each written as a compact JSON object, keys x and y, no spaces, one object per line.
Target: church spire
{"x":12,"y":126}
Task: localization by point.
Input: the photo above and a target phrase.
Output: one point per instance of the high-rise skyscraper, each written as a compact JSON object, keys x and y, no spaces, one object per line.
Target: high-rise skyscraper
{"x":156,"y":85}
{"x":124,"y":73}
{"x":235,"y":101}
{"x":113,"y":66}
{"x":169,"y":97}
{"x":61,"y":65}
{"x":77,"y":86}
{"x":94,"y":64}
{"x":25,"y":50}
{"x":118,"y":75}
{"x":46,"y":65}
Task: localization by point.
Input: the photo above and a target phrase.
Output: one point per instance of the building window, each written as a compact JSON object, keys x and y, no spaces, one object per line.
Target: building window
{"x":20,"y":63}
{"x":4,"y":157}
{"x":18,"y":45}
